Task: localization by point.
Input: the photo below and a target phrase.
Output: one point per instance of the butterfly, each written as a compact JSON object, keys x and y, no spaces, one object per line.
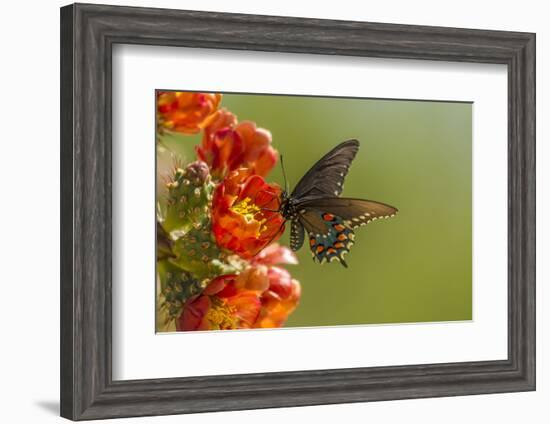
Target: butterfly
{"x":315,"y":206}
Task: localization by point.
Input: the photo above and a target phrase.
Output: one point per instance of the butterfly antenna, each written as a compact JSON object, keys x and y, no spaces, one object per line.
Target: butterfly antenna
{"x":284,"y":174}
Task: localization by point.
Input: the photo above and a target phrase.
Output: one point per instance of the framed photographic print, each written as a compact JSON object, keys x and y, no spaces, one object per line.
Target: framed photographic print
{"x":264,"y":212}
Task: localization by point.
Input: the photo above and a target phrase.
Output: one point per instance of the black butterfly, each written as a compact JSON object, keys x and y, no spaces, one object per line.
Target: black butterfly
{"x":314,"y":206}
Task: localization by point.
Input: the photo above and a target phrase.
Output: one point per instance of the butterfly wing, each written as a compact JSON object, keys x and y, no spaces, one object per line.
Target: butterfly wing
{"x":329,"y":219}
{"x":329,"y":238}
{"x":330,"y":223}
{"x":354,"y":212}
{"x":326,"y":177}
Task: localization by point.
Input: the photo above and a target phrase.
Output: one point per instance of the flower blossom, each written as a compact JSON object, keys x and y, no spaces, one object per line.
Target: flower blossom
{"x":261,"y":296}
{"x":186,"y":112}
{"x":244,"y":213}
{"x":283,"y":293}
{"x":227,"y":146}
{"x":221,"y":306}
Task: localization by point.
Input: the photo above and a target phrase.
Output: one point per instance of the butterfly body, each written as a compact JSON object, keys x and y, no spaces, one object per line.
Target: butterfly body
{"x":314,"y":206}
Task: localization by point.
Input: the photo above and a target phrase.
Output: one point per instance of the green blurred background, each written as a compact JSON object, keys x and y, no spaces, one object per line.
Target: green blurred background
{"x":414,"y":155}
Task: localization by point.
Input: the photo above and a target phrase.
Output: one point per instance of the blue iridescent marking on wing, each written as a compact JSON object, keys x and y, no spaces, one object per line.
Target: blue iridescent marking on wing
{"x":334,"y":243}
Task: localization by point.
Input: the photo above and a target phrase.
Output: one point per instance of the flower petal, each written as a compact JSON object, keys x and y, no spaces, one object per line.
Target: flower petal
{"x":276,"y":254}
{"x":247,"y":308}
{"x":194,"y":311}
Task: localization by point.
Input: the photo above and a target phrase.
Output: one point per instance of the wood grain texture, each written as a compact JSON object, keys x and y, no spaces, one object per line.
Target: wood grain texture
{"x":67,"y":218}
{"x":88,"y":33}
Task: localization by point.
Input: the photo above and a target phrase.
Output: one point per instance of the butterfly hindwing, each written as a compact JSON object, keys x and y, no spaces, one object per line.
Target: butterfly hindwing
{"x":326,"y":177}
{"x":334,"y":242}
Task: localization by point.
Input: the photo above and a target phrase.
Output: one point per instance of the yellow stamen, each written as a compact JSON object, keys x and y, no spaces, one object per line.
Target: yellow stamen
{"x":221,"y":315}
{"x":248,"y":210}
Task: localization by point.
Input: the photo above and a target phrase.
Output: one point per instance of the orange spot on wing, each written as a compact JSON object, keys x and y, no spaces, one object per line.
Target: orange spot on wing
{"x":328,"y":217}
{"x":342,"y":237}
{"x":338,"y":245}
{"x":311,"y":242}
{"x":320,"y":249}
{"x":339,"y":227}
{"x":331,"y":251}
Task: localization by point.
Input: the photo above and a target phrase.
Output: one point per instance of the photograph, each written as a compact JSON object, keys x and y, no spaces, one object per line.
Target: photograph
{"x":305,"y":211}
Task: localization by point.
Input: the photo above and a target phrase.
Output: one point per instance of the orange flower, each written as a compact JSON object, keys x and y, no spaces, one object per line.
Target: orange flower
{"x":243,"y":220}
{"x":186,"y":112}
{"x":280,"y":300}
{"x":222,"y":119}
{"x":261,"y":296}
{"x":221,"y":306}
{"x":282,"y":296}
{"x":227,"y":146}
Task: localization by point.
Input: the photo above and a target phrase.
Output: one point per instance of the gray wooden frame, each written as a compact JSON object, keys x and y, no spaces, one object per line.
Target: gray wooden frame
{"x":88,"y":33}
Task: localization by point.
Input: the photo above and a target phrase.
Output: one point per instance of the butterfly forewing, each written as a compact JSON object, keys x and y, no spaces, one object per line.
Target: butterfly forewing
{"x":326,"y":177}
